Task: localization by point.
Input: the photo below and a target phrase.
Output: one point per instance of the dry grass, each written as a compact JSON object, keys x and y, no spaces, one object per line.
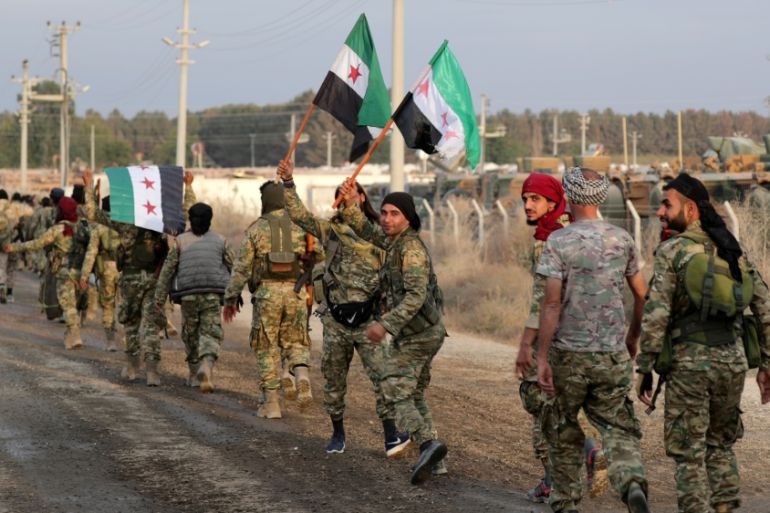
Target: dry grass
{"x":486,"y":288}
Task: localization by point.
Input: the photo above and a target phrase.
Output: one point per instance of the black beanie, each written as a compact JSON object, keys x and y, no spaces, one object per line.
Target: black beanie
{"x":200,"y":218}
{"x":272,"y":197}
{"x":106,"y":203}
{"x":56,"y":194}
{"x":405,"y":203}
{"x":3,"y":194}
{"x":79,"y":194}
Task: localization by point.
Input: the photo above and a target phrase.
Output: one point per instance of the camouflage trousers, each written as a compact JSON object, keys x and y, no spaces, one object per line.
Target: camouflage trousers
{"x":201,"y":326}
{"x":11,"y":268}
{"x":533,"y":399}
{"x":107,"y":287}
{"x":598,"y":383}
{"x":702,"y":422}
{"x":68,"y":292}
{"x":279,"y":329}
{"x":140,"y":317}
{"x":405,"y":378}
{"x":338,"y":347}
{"x":3,"y":267}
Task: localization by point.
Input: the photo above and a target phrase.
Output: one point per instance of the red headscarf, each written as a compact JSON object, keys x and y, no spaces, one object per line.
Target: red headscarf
{"x":67,"y":211}
{"x":550,"y":188}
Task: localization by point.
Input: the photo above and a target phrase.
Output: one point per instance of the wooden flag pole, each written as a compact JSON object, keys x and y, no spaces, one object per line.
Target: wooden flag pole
{"x":380,"y":137}
{"x":299,"y":131}
{"x":366,"y":158}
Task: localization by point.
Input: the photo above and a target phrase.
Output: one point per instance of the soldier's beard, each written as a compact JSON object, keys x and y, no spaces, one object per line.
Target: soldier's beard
{"x":678,"y":223}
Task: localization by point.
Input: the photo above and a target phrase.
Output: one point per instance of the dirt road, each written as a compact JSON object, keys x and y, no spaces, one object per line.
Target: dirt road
{"x":75,"y":438}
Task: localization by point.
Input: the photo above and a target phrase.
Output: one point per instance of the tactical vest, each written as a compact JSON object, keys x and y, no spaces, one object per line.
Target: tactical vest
{"x":147,"y":252}
{"x":716,"y":299}
{"x":392,"y":282}
{"x":281,"y":263}
{"x":201,"y":267}
{"x":81,"y":235}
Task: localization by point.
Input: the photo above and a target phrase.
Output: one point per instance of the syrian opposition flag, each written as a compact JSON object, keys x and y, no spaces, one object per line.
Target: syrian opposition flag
{"x":354,"y":91}
{"x":438,"y":116}
{"x":147,"y":196}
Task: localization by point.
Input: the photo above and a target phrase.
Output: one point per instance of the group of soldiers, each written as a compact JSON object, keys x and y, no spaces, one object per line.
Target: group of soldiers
{"x":378,"y":292}
{"x":379,"y":296}
{"x":701,"y":323}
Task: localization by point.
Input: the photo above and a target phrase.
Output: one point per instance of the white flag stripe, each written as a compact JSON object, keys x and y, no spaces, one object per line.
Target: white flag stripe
{"x":148,"y":211}
{"x":442,"y":117}
{"x":347,"y":61}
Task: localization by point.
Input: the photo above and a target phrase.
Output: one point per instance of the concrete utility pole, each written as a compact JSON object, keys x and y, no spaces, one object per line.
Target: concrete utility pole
{"x":93,"y":149}
{"x":184,"y":62}
{"x":24,"y":120}
{"x":559,"y":136}
{"x":61,"y":33}
{"x":635,"y":136}
{"x":397,"y":182}
{"x":679,"y":139}
{"x":485,"y":134}
{"x":329,"y":138}
{"x":625,"y":141}
{"x":585,"y":119}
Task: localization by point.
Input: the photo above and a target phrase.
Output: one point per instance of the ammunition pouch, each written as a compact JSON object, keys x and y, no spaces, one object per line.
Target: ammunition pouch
{"x":752,"y":338}
{"x":281,"y":263}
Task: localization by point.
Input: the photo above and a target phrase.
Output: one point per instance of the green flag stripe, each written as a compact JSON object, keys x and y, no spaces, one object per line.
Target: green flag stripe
{"x":121,"y":195}
{"x":450,"y":82}
{"x":375,"y":110}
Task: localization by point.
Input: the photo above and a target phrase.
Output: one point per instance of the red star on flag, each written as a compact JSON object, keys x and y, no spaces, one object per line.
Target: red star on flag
{"x":444,"y":121}
{"x":451,"y":134}
{"x":150,"y":208}
{"x":148,"y":184}
{"x":423,"y":89}
{"x":355,"y":72}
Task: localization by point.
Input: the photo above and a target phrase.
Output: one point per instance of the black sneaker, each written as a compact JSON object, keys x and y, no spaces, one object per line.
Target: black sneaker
{"x":431,"y":452}
{"x":397,"y":444}
{"x":336,"y":445}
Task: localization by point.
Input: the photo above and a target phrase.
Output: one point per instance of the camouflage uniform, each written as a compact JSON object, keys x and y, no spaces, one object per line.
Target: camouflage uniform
{"x":354,"y":273}
{"x":202,"y":332}
{"x":279,"y":319}
{"x":704,"y":385}
{"x":5,"y":238}
{"x":591,"y":366}
{"x":101,"y":258}
{"x":67,"y":279}
{"x":407,"y":276}
{"x":42,"y":219}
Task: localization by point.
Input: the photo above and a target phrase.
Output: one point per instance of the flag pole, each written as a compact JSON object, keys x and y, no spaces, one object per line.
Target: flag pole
{"x":302,"y":126}
{"x":366,"y":158}
{"x":379,"y":139}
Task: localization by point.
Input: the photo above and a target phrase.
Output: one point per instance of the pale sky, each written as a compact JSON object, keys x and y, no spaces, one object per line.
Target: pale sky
{"x":628,"y":55}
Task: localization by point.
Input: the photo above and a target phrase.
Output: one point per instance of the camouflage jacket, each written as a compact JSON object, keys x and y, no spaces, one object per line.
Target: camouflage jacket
{"x":99,"y":246}
{"x":354,"y":269}
{"x":592,"y":258}
{"x":415,"y":268}
{"x":53,"y":237}
{"x":667,"y":297}
{"x":255,"y":246}
{"x":41,"y":220}
{"x":538,"y":282}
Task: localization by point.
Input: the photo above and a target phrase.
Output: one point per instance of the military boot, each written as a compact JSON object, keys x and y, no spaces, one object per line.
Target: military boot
{"x":72,"y":338}
{"x":171,"y":329}
{"x":131,"y":368}
{"x":109,"y":338}
{"x":153,"y":377}
{"x":636,"y":499}
{"x":192,"y":378}
{"x":723,"y":507}
{"x":304,"y":393}
{"x":288,"y":386}
{"x":271,"y":405}
{"x":205,"y":369}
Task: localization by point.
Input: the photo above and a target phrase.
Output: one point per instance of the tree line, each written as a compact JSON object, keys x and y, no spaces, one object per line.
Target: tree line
{"x":229,"y":133}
